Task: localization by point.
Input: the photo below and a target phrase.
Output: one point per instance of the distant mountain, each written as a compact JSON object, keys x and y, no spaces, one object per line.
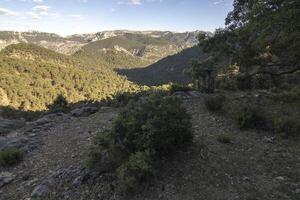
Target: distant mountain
{"x":144,"y":47}
{"x":169,"y":69}
{"x":48,"y":40}
{"x":116,"y":49}
{"x":32,"y":76}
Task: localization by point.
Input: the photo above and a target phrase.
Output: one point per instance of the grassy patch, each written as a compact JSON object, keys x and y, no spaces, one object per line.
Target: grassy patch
{"x":10,"y":157}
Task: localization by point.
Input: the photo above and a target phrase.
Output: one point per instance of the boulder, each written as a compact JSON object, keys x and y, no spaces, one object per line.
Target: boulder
{"x":194,"y":94}
{"x":15,"y":142}
{"x":181,"y":95}
{"x":7,"y":125}
{"x":84,"y":111}
{"x":6,"y":178}
{"x":40,"y":191}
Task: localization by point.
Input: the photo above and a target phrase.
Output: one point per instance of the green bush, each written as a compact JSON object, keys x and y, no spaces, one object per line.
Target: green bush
{"x":144,"y":131}
{"x":135,"y":170}
{"x":214,"y":103}
{"x":157,"y":123}
{"x":122,"y":99}
{"x":60,"y":104}
{"x":10,"y":157}
{"x":251,"y":117}
{"x":286,"y":126}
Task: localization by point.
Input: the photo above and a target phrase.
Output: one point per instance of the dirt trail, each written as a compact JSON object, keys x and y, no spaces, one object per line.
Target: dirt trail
{"x":252,"y":167}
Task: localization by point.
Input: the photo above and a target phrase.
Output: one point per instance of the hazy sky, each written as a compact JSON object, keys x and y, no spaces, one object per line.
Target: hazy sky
{"x":83,"y":16}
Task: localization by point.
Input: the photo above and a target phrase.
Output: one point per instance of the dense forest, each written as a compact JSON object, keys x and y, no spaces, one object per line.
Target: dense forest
{"x":32,"y":77}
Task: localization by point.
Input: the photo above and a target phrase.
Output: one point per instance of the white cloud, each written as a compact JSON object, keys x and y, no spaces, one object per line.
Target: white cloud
{"x":38,"y":1}
{"x":218,"y":2}
{"x":135,"y":2}
{"x":40,"y":10}
{"x":7,"y":12}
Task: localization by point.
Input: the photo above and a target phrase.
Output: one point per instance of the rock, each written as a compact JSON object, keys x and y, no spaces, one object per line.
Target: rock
{"x":279,"y":178}
{"x":194,"y":94}
{"x":6,"y":178}
{"x":15,"y":142}
{"x":40,"y":191}
{"x":246,"y":178}
{"x":181,"y":95}
{"x":84,"y":111}
{"x":77,"y":181}
{"x":46,"y":119}
{"x":269,"y":139}
{"x":8,"y":124}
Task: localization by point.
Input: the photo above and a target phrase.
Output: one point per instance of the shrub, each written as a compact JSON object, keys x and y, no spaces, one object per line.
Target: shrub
{"x":157,"y":123}
{"x":244,"y":82}
{"x":135,"y":170}
{"x":251,"y":117}
{"x":144,"y":131}
{"x":224,"y":138}
{"x":286,"y":126}
{"x":214,"y":103}
{"x":10,"y":157}
{"x":122,"y":99}
{"x":60,"y":104}
{"x":179,"y":88}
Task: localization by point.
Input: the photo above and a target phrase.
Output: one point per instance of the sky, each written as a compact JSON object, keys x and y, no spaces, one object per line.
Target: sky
{"x":67,"y":17}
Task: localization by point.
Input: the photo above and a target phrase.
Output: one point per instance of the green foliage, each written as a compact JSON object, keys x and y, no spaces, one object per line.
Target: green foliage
{"x":145,"y":129}
{"x":135,"y":170}
{"x":123,"y":98}
{"x":10,"y":157}
{"x":60,"y":104}
{"x":157,"y":123}
{"x":224,"y":138}
{"x":286,"y":126}
{"x":32,"y":77}
{"x":214,"y":103}
{"x":251,"y":117}
{"x":252,"y":42}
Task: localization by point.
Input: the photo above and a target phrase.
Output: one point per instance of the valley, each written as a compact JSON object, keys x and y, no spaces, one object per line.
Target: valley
{"x":150,"y":115}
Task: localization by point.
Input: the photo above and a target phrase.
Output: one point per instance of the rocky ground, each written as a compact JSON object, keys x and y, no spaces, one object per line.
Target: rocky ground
{"x":254,"y":166}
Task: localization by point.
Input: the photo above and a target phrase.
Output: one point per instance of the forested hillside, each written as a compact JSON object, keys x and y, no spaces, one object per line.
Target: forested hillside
{"x":172,"y":68}
{"x":32,"y":77}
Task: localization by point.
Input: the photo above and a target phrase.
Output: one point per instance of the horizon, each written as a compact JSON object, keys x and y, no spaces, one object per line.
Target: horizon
{"x":86,"y":33}
{"x":90,"y":16}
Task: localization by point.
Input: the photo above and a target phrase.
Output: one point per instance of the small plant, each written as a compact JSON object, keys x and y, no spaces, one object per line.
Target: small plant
{"x":145,"y":130}
{"x":214,"y":103}
{"x":224,"y":138}
{"x":60,"y":104}
{"x":135,"y":170}
{"x":122,"y":99}
{"x":251,"y":117}
{"x":10,"y":157}
{"x":286,"y":126}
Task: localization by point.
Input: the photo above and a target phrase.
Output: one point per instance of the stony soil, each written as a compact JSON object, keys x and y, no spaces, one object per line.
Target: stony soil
{"x":254,"y":166}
